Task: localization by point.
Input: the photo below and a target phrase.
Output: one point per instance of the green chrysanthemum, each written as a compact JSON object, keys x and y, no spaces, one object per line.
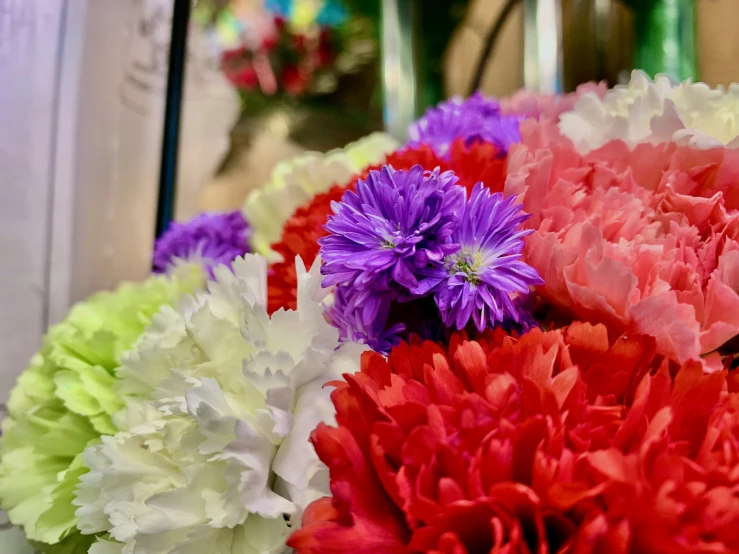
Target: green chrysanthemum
{"x":64,"y":401}
{"x":296,"y":181}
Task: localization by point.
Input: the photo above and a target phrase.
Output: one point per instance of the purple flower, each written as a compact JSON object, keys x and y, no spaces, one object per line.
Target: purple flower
{"x":397,"y":225}
{"x":523,"y":319}
{"x":211,"y":239}
{"x":351,"y":328}
{"x":395,"y":321}
{"x":477,"y":118}
{"x":481,"y":280}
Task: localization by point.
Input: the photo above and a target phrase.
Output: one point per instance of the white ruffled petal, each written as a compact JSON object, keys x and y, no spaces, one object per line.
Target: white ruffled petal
{"x":690,"y":114}
{"x":259,"y":535}
{"x":106,"y":547}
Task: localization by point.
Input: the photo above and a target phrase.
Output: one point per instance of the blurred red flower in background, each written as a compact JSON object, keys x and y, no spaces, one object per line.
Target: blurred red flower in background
{"x":559,"y":441}
{"x":238,"y":67}
{"x":293,"y":80}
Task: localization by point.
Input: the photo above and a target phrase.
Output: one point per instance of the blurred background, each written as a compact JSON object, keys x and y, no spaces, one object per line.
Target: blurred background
{"x":83,"y":96}
{"x":446,"y":48}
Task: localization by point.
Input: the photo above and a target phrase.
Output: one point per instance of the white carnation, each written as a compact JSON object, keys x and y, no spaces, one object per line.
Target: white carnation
{"x":710,"y":116}
{"x":214,"y":453}
{"x":655,"y":111}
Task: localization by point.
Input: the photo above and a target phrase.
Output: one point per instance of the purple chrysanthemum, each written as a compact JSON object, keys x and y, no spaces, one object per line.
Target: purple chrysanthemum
{"x":396,"y":321}
{"x":352,"y":329}
{"x":211,"y":239}
{"x":481,"y":280}
{"x":386,"y":234}
{"x":477,"y":118}
{"x":523,"y":319}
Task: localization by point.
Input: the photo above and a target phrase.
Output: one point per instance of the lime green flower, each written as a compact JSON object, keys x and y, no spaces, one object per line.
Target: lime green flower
{"x":64,"y":401}
{"x":297,"y":181}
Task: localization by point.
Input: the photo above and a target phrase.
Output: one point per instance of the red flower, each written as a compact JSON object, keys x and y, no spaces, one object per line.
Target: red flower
{"x":479,"y":162}
{"x":553,"y":442}
{"x":299,"y":42}
{"x":299,"y":238}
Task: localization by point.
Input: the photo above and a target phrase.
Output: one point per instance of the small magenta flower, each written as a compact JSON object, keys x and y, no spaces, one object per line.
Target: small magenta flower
{"x":477,"y":118}
{"x":210,"y":239}
{"x":483,"y":280}
{"x":382,"y":237}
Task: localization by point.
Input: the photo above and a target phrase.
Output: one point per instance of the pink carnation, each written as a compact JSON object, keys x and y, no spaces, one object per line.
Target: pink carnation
{"x":641,"y":240}
{"x":537,"y":106}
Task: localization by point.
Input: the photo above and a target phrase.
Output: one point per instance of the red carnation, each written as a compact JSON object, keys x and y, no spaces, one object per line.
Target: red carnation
{"x":299,"y":238}
{"x":479,"y":162}
{"x":557,"y":441}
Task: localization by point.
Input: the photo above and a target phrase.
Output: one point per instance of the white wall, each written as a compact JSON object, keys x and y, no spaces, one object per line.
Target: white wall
{"x":29,"y":38}
{"x":81,"y":107}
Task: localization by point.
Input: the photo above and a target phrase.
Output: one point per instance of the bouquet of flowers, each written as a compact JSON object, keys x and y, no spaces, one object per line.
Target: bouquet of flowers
{"x":517,"y":332}
{"x":292,"y":48}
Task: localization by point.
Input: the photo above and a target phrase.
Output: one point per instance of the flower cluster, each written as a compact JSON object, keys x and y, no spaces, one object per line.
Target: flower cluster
{"x":543,"y":443}
{"x":404,"y":235}
{"x":642,"y":239}
{"x":472,"y":164}
{"x":256,"y":69}
{"x":519,"y":334}
{"x":267,"y":50}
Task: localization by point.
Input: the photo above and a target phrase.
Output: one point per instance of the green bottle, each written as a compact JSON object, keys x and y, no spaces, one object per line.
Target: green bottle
{"x":665,"y":38}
